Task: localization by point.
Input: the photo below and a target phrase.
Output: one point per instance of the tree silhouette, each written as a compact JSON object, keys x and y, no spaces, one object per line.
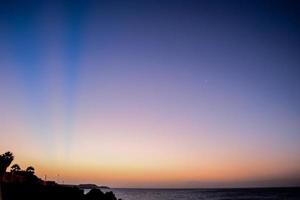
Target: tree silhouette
{"x":30,"y":170}
{"x":15,"y":168}
{"x":5,"y":160}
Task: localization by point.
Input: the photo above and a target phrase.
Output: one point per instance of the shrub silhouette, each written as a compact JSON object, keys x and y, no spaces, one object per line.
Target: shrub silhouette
{"x":15,"y":168}
{"x":30,"y":170}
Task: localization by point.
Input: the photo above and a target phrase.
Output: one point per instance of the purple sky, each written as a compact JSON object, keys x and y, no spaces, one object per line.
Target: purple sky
{"x":205,"y":89}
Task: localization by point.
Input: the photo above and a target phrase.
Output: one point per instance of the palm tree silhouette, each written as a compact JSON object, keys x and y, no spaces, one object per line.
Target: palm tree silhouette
{"x":5,"y":160}
{"x":30,"y":170}
{"x":15,"y":168}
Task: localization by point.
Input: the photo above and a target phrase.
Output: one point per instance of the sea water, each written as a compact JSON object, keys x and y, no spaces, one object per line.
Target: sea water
{"x":208,"y":194}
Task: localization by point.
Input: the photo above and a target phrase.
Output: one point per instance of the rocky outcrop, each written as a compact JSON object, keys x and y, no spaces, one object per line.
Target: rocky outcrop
{"x":96,"y":194}
{"x":17,"y":191}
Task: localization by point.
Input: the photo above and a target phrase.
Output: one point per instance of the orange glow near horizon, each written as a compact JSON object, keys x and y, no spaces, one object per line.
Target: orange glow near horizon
{"x":150,"y":171}
{"x":132,"y":157}
{"x":136,"y":158}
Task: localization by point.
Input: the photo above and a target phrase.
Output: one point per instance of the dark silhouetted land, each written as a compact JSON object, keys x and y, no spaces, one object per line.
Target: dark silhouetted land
{"x":24,"y":184}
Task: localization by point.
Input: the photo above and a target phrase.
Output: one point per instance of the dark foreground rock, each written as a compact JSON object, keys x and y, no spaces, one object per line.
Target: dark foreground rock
{"x":96,"y":194}
{"x":16,"y":191}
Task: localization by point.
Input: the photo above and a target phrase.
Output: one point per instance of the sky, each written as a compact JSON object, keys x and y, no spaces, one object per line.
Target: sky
{"x":152,"y":93}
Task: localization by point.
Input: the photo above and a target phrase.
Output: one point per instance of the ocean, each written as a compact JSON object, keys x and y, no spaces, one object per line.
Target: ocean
{"x":209,"y":194}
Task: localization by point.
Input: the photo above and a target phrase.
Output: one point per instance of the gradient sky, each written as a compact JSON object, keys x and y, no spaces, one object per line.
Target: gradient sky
{"x":152,"y":93}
